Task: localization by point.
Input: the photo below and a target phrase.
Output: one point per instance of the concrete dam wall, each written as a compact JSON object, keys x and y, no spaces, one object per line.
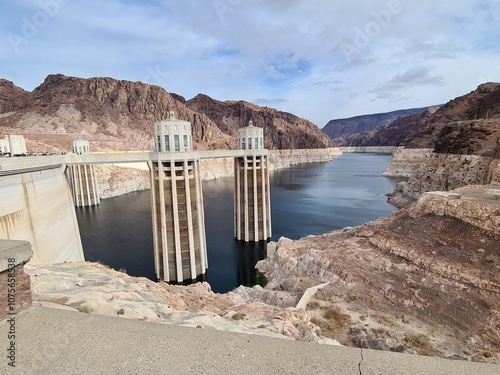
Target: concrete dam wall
{"x":37,"y":207}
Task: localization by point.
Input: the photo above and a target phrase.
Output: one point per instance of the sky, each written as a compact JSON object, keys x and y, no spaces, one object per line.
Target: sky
{"x":321,"y":60}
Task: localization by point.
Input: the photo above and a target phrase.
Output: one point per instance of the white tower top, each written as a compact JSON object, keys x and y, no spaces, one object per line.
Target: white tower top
{"x":173,"y":135}
{"x":80,"y":146}
{"x":250,"y":137}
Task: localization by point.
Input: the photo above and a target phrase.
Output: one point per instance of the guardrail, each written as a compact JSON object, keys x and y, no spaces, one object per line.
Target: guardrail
{"x":18,"y":165}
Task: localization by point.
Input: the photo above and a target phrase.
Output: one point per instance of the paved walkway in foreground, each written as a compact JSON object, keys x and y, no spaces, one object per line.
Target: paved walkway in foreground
{"x":52,"y":341}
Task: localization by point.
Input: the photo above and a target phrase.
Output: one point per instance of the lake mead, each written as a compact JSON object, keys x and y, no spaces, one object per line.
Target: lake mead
{"x":312,"y":198}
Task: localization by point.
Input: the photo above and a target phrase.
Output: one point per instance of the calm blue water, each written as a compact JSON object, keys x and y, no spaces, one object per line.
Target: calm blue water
{"x":308,"y":199}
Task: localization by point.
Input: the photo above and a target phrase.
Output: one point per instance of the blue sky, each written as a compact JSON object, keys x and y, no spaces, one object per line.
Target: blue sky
{"x":319,"y":60}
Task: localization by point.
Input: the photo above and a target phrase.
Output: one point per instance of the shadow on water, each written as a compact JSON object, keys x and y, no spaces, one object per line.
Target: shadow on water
{"x":249,"y":253}
{"x":230,"y":262}
{"x":311,"y":198}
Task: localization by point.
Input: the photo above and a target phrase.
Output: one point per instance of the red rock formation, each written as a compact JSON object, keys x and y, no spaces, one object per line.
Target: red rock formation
{"x":118,"y":115}
{"x":112,"y":114}
{"x":282,"y":130}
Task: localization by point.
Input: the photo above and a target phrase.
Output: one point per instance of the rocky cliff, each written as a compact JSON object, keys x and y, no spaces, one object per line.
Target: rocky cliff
{"x":113,"y":181}
{"x":464,"y":136}
{"x":430,"y":171}
{"x":118,"y":115}
{"x":282,"y":130}
{"x":278,"y":159}
{"x":343,"y":128}
{"x":405,"y":162}
{"x":476,"y":205}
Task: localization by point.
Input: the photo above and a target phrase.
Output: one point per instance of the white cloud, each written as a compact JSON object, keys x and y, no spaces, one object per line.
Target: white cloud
{"x":283,"y":53}
{"x":398,"y":87}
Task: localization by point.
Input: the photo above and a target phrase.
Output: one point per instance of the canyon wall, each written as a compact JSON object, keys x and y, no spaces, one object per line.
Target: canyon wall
{"x":38,"y":207}
{"x":428,"y":171}
{"x":113,"y":181}
{"x":280,"y":159}
{"x":373,"y":149}
{"x":405,"y":162}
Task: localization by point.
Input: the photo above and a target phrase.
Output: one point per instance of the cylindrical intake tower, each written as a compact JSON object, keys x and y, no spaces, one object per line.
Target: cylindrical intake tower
{"x":82,"y":178}
{"x":252,"y":205}
{"x":177,"y":204}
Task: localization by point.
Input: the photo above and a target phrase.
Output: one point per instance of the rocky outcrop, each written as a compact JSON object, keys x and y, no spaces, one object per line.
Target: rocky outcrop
{"x":370,"y":149}
{"x":216,"y":168}
{"x":278,"y":159}
{"x":476,"y":205}
{"x":393,"y":281}
{"x":475,"y":115}
{"x":429,"y":171}
{"x":405,"y":162}
{"x":282,"y":130}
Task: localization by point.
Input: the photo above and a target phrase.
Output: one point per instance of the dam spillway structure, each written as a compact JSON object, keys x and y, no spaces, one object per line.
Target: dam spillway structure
{"x":180,"y":250}
{"x":82,"y":178}
{"x":252,"y":203}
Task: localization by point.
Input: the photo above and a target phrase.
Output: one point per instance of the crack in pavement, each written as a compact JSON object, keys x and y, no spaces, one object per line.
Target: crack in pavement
{"x":360,"y":362}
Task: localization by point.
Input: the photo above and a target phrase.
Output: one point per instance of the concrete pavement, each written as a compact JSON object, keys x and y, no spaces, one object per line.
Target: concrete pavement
{"x":53,"y":341}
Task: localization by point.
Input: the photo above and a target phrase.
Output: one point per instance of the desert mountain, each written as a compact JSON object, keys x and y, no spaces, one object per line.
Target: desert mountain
{"x":341,"y":129}
{"x":282,"y":130}
{"x":118,"y":115}
{"x":469,"y":124}
{"x":399,"y":132}
{"x":11,"y":96}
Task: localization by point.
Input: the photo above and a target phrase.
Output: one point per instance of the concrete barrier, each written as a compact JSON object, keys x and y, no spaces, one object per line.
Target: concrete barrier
{"x":37,"y":207}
